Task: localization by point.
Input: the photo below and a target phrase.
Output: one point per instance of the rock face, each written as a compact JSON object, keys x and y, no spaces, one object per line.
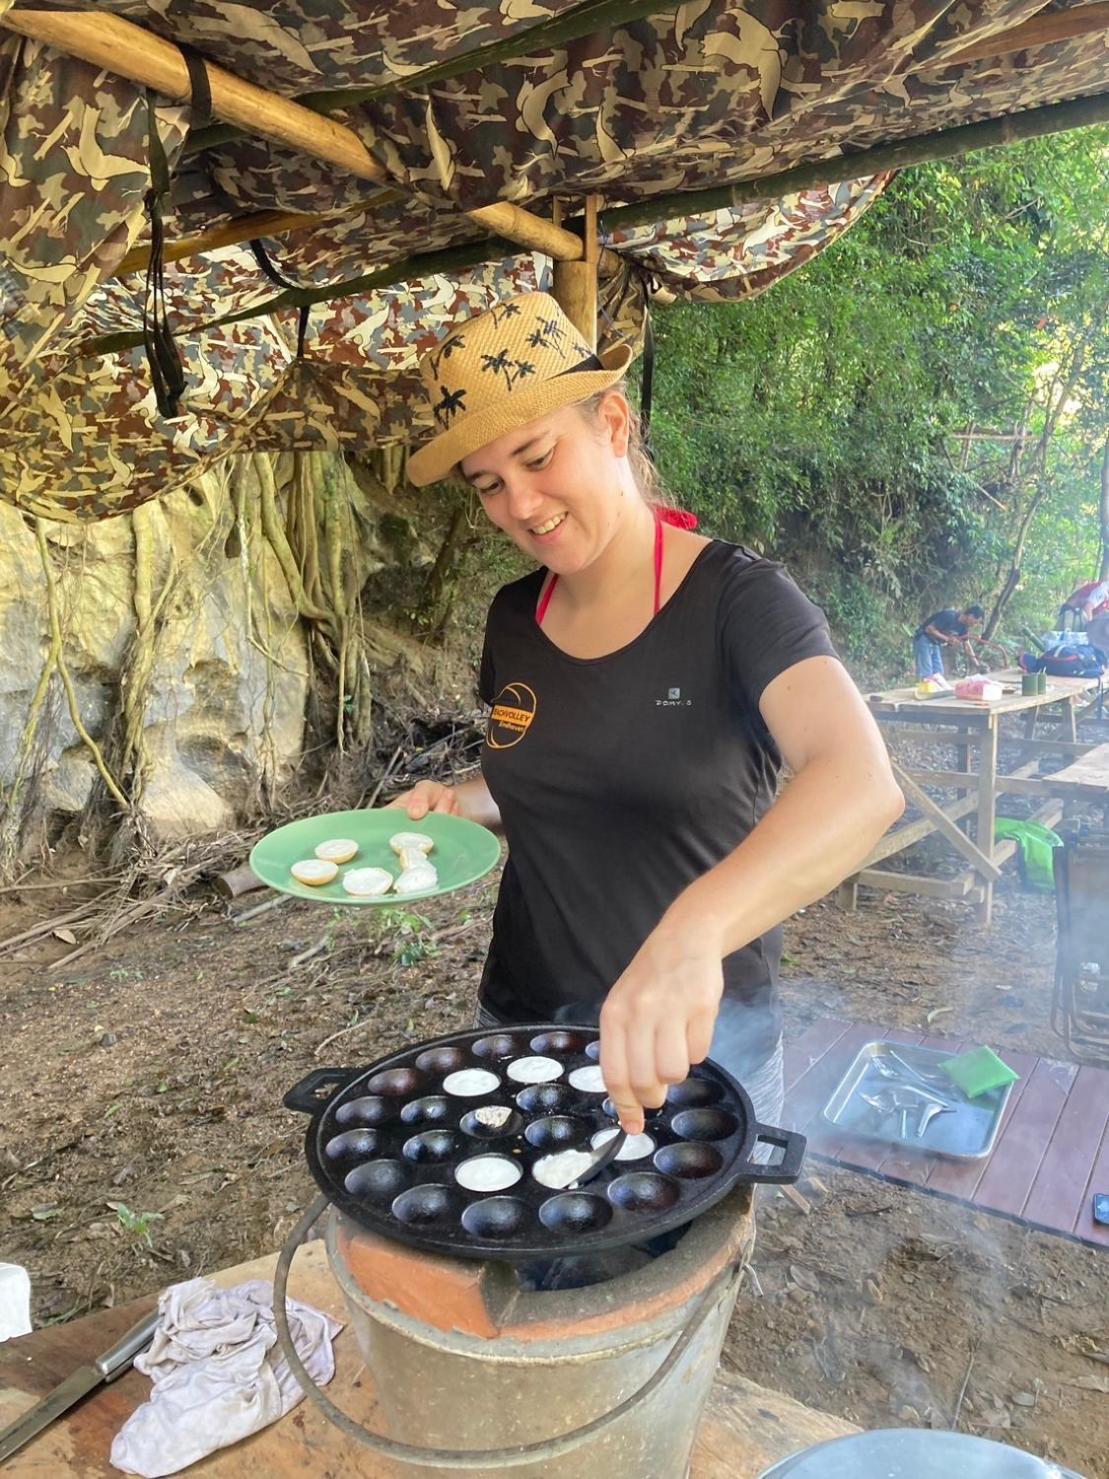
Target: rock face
{"x":223,"y":691}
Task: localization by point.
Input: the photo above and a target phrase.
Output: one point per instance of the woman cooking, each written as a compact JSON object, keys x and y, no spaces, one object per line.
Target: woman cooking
{"x":645,"y":685}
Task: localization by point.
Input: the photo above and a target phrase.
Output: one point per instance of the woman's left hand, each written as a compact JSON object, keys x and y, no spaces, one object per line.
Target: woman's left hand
{"x":658,"y":1020}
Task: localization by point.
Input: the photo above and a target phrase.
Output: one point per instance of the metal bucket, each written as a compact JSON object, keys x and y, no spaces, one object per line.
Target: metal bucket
{"x":559,"y":1361}
{"x":914,"y":1453}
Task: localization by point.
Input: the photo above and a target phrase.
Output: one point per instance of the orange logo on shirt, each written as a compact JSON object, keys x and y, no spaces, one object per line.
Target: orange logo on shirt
{"x":511,"y":718}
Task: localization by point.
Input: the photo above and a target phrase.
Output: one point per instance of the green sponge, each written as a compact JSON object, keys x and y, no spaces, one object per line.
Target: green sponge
{"x":979,"y":1071}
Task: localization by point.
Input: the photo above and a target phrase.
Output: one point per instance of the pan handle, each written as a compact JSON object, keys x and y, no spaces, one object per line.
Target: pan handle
{"x":788,"y":1168}
{"x":317,"y":1087}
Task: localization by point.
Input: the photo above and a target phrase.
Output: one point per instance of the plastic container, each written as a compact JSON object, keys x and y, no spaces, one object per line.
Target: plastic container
{"x":980,"y":690}
{"x":15,"y":1301}
{"x":914,"y":1453}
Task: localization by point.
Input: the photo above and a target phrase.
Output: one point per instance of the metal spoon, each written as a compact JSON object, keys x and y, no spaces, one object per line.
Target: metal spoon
{"x":888,"y":1072}
{"x":885,"y":1102}
{"x":608,"y":1153}
{"x":928,"y":1115}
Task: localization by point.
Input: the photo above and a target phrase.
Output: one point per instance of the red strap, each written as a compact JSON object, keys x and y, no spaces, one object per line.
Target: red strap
{"x":658,"y":561}
{"x":545,"y":600}
{"x":680,"y":518}
{"x":677,"y":517}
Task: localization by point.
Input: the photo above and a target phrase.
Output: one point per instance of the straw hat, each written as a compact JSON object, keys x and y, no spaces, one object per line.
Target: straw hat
{"x":504,"y":368}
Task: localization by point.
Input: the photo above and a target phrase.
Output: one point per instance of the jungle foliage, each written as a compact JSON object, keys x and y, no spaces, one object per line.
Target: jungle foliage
{"x":920,"y":415}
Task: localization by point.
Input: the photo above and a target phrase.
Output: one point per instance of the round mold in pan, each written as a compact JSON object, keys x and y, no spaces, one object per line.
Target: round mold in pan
{"x":385,"y":1142}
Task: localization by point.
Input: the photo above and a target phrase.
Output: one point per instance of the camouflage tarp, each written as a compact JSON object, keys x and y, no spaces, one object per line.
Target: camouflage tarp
{"x":702,"y":94}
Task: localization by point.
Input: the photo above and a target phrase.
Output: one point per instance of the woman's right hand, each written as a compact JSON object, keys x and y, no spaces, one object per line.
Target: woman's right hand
{"x":428,"y":796}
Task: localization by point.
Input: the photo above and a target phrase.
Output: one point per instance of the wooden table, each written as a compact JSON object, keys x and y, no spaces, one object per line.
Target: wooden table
{"x":968,"y":725}
{"x":745,"y":1428}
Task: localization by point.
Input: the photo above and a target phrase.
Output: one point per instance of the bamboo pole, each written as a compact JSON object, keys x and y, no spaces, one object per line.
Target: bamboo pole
{"x":1035,"y":122}
{"x":118,"y":46}
{"x":235,"y":233}
{"x":575,"y":283}
{"x":127,"y":50}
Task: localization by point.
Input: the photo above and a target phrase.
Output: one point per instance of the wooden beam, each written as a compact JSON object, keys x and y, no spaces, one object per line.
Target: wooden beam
{"x":127,"y":50}
{"x":918,"y":883}
{"x":1045,"y":29}
{"x":235,"y":233}
{"x":575,"y":283}
{"x":1050,"y":747}
{"x":1014,"y":785}
{"x":963,"y":885}
{"x":944,"y":824}
{"x":902,"y":837}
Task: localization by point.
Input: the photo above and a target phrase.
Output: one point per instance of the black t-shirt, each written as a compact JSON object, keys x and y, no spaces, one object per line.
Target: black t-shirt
{"x":621,"y":779}
{"x":943,"y":621}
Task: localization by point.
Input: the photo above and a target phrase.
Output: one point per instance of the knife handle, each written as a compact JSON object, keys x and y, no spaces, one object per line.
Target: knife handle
{"x":116,"y":1361}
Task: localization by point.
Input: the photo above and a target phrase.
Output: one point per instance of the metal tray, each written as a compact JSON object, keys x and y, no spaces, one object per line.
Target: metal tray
{"x":966,"y":1135}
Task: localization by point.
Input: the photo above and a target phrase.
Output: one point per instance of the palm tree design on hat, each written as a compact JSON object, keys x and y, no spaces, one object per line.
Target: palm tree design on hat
{"x":449,"y":405}
{"x":445,"y":350}
{"x":502,"y":363}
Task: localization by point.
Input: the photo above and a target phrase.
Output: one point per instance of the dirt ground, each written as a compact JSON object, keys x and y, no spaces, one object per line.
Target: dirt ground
{"x":143,"y":1139}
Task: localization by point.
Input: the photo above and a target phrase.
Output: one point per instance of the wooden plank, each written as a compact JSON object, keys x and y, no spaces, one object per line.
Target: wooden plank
{"x":903,"y":704}
{"x":918,"y":883}
{"x":747,"y":1429}
{"x":954,"y":735}
{"x":1049,"y":747}
{"x":800,"y":1055}
{"x":987,"y":812}
{"x":1084,"y":1225}
{"x":302,"y":1444}
{"x":976,"y":855}
{"x":1056,"y":1195}
{"x":1019,"y":1153}
{"x":902,"y":837}
{"x":1056,"y":784}
{"x":1090,"y":769}
{"x":1051,"y":1152}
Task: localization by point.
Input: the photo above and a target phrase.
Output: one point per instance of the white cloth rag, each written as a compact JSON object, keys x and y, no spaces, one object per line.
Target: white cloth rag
{"x":217,"y":1376}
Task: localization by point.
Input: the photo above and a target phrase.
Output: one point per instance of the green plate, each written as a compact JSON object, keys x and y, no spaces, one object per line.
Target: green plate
{"x":463,"y":852}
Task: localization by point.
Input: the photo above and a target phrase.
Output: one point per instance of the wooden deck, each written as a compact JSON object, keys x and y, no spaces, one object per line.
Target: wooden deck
{"x":1051,"y":1155}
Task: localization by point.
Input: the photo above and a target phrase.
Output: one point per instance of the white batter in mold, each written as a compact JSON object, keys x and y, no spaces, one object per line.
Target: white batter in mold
{"x":561,"y":1170}
{"x":634,"y":1148}
{"x":588,"y":1079}
{"x":534,"y":1070}
{"x":487,"y":1173}
{"x":493,"y":1116}
{"x":470,"y":1083}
